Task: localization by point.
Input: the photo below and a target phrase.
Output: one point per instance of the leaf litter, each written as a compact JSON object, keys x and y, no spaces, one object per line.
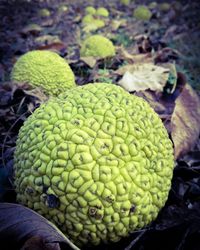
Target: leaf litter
{"x":26,"y":227}
{"x":158,"y":43}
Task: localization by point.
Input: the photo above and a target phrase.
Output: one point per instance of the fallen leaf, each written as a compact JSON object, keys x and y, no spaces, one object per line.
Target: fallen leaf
{"x":162,"y":106}
{"x":56,"y":46}
{"x":115,"y":24}
{"x":38,"y":243}
{"x":144,"y":76}
{"x":46,"y":40}
{"x":166,"y":55}
{"x":173,"y":76}
{"x":32,"y":28}
{"x":37,"y":93}
{"x":21,"y":224}
{"x":136,"y":58}
{"x":89,"y":60}
{"x":143,"y":43}
{"x":185,"y":121}
{"x":47,"y":23}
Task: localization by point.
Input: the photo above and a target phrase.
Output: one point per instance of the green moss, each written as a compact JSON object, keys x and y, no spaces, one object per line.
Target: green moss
{"x":97,"y":46}
{"x":43,"y":69}
{"x":142,"y":13}
{"x":102,"y":12}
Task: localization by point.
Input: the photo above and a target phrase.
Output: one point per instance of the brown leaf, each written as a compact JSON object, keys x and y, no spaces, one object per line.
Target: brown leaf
{"x":32,"y":29}
{"x":23,"y":225}
{"x":142,"y":76}
{"x":37,"y":243}
{"x":163,"y":106}
{"x":143,"y":43}
{"x":47,"y":40}
{"x":55,"y":46}
{"x":47,"y":23}
{"x":115,"y":24}
{"x":185,"y":121}
{"x":136,"y":58}
{"x":89,"y":60}
{"x":166,"y":54}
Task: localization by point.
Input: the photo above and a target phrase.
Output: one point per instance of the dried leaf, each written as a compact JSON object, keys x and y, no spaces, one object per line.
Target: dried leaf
{"x":143,"y":43}
{"x":115,"y":24}
{"x":163,"y":106}
{"x":47,"y":23}
{"x":166,"y":55}
{"x":144,"y":76}
{"x":32,"y":28}
{"x":21,"y":224}
{"x":173,"y":76}
{"x":38,"y":94}
{"x":56,"y":46}
{"x":38,"y":243}
{"x":89,"y":60}
{"x":185,"y":121}
{"x":136,"y":58}
{"x":46,"y":40}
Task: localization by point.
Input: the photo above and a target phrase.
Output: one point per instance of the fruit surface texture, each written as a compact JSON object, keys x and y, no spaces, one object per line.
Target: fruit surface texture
{"x":44,"y":69}
{"x":142,"y":13}
{"x":97,"y":46}
{"x":97,"y":162}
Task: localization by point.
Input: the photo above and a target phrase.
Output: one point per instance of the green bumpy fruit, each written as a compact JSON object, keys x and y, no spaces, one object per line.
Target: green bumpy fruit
{"x":44,"y":69}
{"x":90,"y":10}
{"x":152,"y":5}
{"x":142,"y":13}
{"x":44,"y":13}
{"x":125,"y":2}
{"x":97,"y":46}
{"x":88,"y":19}
{"x":97,"y":162}
{"x":102,"y":12}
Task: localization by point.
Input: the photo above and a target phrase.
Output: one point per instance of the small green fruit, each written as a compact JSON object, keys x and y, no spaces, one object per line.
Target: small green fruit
{"x":102,"y":12}
{"x":43,"y":69}
{"x":44,"y":13}
{"x":142,"y":13}
{"x":97,"y":46}
{"x":90,"y":10}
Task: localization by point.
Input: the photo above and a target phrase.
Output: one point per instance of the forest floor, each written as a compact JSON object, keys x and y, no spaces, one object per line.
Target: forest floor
{"x":170,"y":37}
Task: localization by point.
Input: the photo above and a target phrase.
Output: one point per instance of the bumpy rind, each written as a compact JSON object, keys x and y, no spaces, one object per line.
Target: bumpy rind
{"x":101,"y":11}
{"x":44,"y":69}
{"x":96,"y":161}
{"x":142,"y":13}
{"x":97,"y":46}
{"x":90,"y":10}
{"x":88,"y":19}
{"x":125,"y":2}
